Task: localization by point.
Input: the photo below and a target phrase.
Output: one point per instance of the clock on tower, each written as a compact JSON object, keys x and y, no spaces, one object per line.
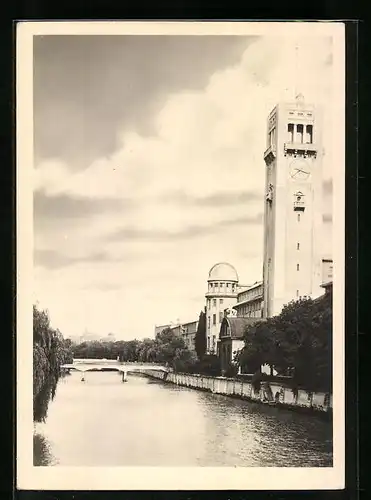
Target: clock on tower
{"x":299,"y":170}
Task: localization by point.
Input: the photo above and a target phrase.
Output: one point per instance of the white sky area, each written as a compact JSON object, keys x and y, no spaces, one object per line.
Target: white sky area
{"x":148,"y":174}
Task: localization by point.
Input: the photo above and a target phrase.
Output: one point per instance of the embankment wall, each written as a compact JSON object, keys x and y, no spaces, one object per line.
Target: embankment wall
{"x":269,"y":392}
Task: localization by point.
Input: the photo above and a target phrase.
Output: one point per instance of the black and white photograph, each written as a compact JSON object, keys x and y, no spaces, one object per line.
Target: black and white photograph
{"x":180,"y":249}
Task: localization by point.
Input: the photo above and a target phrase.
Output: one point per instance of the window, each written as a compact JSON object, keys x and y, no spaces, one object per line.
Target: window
{"x":221,"y":301}
{"x":309,"y":137}
{"x":208,"y":343}
{"x":297,"y":267}
{"x":220,"y":317}
{"x":290,"y":131}
{"x":272,"y":137}
{"x":214,"y":319}
{"x":227,"y":285}
{"x":298,"y":217}
{"x":214,"y":302}
{"x":299,"y":136}
{"x":297,"y":246}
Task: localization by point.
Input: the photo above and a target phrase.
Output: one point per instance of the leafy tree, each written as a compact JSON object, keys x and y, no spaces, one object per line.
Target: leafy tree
{"x":298,"y":341}
{"x":50,"y":351}
{"x":200,"y":339}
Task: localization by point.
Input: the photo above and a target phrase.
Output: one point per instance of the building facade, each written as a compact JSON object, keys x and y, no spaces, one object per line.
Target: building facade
{"x":327,"y":270}
{"x":250,"y":302}
{"x":160,"y":328}
{"x":222,"y":289}
{"x":293,"y":206}
{"x":231,"y":338}
{"x":177,"y":330}
{"x":189,"y":334}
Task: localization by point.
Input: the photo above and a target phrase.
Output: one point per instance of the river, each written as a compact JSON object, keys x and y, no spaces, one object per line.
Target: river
{"x":144,"y":422}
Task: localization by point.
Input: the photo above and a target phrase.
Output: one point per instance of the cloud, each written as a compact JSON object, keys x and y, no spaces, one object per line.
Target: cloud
{"x":86,"y":87}
{"x":52,"y":259}
{"x":67,"y":206}
{"x":189,"y":232}
{"x":217,"y":199}
{"x":159,"y":204}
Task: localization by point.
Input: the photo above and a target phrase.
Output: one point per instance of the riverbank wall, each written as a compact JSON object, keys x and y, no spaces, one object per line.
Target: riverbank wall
{"x":276,"y":394}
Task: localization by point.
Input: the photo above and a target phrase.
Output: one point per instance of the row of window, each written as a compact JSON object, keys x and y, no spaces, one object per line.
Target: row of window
{"x":250,"y":294}
{"x":211,"y":345}
{"x":299,"y":134}
{"x":302,"y":134}
{"x":214,"y":319}
{"x":221,"y":301}
{"x":250,"y":308}
{"x":220,"y":287}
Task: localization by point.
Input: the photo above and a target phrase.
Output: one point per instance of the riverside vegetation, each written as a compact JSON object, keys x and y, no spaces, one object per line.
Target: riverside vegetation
{"x":50,"y":351}
{"x":297,"y":344}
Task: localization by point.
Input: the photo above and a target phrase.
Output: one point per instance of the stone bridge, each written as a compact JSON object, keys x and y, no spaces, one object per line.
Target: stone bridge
{"x":85,"y":365}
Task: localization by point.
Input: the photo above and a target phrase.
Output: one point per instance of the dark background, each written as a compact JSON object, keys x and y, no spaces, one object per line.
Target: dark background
{"x":356,"y":230}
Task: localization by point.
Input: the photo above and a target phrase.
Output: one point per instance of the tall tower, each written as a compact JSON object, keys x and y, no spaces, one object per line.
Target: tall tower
{"x":293,"y":206}
{"x":222,"y":288}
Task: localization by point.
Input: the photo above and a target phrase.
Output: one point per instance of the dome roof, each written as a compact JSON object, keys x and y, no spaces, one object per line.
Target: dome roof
{"x":223,"y":272}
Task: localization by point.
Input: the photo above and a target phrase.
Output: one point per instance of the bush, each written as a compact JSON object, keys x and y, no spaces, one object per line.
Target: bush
{"x":231,"y":371}
{"x":256,"y":381}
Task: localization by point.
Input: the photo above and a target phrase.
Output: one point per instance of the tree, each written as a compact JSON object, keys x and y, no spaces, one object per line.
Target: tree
{"x":200,"y":339}
{"x":50,"y":351}
{"x":259,"y":346}
{"x":299,"y":340}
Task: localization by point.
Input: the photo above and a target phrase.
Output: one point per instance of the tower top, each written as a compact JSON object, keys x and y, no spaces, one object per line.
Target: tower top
{"x":299,"y":99}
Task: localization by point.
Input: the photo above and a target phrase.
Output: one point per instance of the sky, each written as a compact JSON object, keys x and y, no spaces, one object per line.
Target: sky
{"x":148,"y":169}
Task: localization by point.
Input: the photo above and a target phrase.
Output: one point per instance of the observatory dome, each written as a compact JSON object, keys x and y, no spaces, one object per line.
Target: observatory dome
{"x":223,"y":272}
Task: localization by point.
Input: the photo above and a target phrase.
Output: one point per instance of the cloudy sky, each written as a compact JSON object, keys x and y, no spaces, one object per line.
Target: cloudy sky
{"x":149,"y":169}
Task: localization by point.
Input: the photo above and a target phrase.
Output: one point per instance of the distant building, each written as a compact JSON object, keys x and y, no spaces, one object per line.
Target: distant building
{"x":109,"y":338}
{"x":88,"y":337}
{"x":75,"y":339}
{"x":222,"y":289}
{"x":160,"y":328}
{"x":250,"y":302}
{"x":177,"y":330}
{"x":189,"y":334}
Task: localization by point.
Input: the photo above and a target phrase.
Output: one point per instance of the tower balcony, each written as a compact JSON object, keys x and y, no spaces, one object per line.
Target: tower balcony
{"x":300,"y":149}
{"x":299,"y":206}
{"x":270,"y":153}
{"x":226,"y":295}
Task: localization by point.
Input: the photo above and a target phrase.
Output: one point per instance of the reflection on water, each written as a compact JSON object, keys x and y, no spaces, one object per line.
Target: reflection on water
{"x":41,"y":451}
{"x":104,"y":422}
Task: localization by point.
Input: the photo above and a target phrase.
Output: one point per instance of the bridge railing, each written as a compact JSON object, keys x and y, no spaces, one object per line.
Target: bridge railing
{"x":113,"y":362}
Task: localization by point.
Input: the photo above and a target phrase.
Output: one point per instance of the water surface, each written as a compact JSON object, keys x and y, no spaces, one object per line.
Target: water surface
{"x":144,"y":422}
